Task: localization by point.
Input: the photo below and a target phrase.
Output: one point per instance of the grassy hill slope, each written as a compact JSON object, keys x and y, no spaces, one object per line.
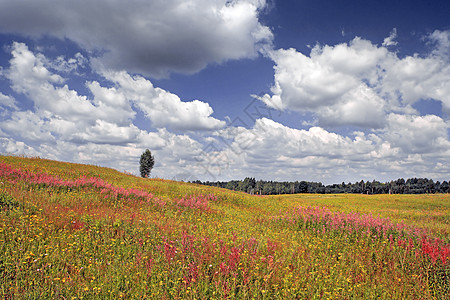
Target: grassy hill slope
{"x":70,"y":231}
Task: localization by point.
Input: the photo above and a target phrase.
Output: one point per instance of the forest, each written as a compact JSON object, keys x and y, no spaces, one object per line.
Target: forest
{"x":400,"y":186}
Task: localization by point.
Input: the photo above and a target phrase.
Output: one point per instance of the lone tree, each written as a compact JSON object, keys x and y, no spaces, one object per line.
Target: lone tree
{"x":146,"y":163}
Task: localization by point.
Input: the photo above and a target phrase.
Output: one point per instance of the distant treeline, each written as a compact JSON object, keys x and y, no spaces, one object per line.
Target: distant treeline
{"x":399,"y":186}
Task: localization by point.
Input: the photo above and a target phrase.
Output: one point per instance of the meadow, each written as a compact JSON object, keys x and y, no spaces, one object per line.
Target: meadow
{"x":71,"y":231}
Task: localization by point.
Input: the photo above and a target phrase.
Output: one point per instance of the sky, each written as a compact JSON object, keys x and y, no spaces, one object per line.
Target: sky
{"x":325,"y":91}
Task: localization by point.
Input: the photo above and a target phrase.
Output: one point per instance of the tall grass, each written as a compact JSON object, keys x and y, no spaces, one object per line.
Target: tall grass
{"x":75,"y":231}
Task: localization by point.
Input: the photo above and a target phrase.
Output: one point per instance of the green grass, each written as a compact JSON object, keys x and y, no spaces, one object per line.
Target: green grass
{"x":119,"y":236}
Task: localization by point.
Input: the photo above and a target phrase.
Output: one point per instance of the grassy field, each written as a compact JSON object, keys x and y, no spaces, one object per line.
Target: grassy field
{"x":70,"y":231}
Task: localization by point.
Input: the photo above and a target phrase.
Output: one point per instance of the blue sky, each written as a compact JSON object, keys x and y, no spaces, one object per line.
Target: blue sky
{"x":326,"y":91}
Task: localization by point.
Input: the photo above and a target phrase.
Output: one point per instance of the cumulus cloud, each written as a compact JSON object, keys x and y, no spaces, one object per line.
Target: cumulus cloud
{"x":64,"y":125}
{"x":163,"y":108}
{"x":7,"y":102}
{"x":173,"y":153}
{"x":390,"y":40}
{"x":410,"y":145}
{"x":413,"y":78}
{"x":307,"y":154}
{"x":376,"y":91}
{"x":52,"y":98}
{"x":147,"y":37}
{"x":359,"y":83}
{"x":361,"y":107}
{"x":67,"y":112}
{"x":28,"y":126}
{"x":267,"y":135}
{"x":365,"y":85}
{"x":417,"y":134}
{"x":441,"y":41}
{"x":11,"y":146}
{"x":328,"y":84}
{"x":62,"y":64}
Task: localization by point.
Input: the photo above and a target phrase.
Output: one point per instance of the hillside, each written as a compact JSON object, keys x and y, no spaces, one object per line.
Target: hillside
{"x":71,"y":231}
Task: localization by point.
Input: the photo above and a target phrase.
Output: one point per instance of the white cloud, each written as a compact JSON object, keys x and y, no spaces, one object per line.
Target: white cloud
{"x":68,"y":113}
{"x":359,"y":58}
{"x":11,"y":146}
{"x":303,"y":83}
{"x":359,"y":83}
{"x":108,"y":133}
{"x":173,"y":153}
{"x":7,"y":102}
{"x":28,"y":126}
{"x":61,"y":64}
{"x":360,"y":107}
{"x":267,"y":135}
{"x":365,"y":85}
{"x":163,"y":108}
{"x":414,"y":146}
{"x":152,"y":38}
{"x":27,"y":71}
{"x":65,"y":125}
{"x":30,"y":77}
{"x":112,"y":104}
{"x":416,"y":134}
{"x":413,"y":78}
{"x":390,"y":40}
{"x":313,"y":154}
{"x":328,"y":83}
{"x":441,"y":39}
{"x":375,"y":91}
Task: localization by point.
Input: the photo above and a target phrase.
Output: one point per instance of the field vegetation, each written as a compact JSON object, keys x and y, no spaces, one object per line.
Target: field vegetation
{"x":70,"y":231}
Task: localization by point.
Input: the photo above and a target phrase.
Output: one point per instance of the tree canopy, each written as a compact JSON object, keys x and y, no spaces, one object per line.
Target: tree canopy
{"x":399,"y":186}
{"x":146,"y":163}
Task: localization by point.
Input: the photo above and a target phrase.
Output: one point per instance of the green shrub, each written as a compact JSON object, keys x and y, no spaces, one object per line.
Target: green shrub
{"x":7,"y":202}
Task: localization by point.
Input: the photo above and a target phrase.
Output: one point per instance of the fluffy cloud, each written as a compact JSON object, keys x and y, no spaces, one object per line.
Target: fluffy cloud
{"x":64,"y":125}
{"x":152,"y":38}
{"x":110,"y":110}
{"x":267,"y":135}
{"x":390,"y":40}
{"x":441,"y":40}
{"x":163,"y":108}
{"x":414,"y":78}
{"x":361,"y":107}
{"x":410,"y":145}
{"x":9,"y":145}
{"x":416,"y":134}
{"x":359,"y":83}
{"x":55,"y":103}
{"x":28,"y":126}
{"x":7,"y":102}
{"x":173,"y":153}
{"x":61,"y":64}
{"x":375,"y":91}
